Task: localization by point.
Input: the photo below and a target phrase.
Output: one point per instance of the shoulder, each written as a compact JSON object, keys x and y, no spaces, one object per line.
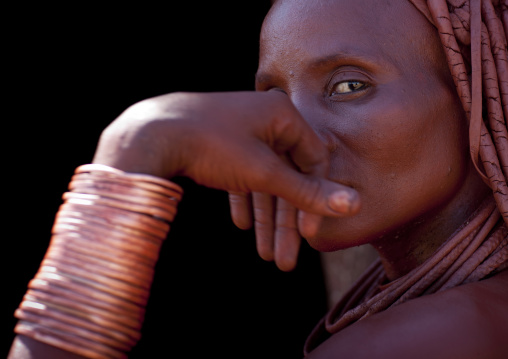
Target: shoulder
{"x":470,"y":321}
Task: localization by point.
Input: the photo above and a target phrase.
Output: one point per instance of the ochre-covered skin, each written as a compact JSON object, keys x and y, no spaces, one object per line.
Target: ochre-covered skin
{"x":408,"y":160}
{"x":356,"y":135}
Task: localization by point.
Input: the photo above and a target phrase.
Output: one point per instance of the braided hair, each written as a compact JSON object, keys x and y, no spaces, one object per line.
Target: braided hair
{"x":474,"y":38}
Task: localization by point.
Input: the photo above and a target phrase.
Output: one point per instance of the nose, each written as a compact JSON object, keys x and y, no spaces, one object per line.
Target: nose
{"x":315,"y":115}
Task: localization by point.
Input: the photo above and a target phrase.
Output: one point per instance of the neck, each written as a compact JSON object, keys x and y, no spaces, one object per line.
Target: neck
{"x":408,"y":247}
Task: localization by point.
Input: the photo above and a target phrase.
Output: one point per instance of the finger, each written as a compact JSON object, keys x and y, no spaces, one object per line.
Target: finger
{"x":240,"y":205}
{"x":264,"y":212}
{"x":309,"y":193}
{"x":306,"y":187}
{"x":294,"y":136}
{"x":310,"y":155}
{"x":287,"y":239}
{"x":308,"y":224}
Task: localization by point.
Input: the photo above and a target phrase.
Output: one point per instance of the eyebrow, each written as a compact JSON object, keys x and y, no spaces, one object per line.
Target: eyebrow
{"x":345,"y":57}
{"x":354,"y":58}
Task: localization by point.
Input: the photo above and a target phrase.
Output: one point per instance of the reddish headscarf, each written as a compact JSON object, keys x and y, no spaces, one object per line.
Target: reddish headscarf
{"x":474,"y":36}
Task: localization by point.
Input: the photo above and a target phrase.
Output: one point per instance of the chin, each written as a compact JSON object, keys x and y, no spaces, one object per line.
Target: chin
{"x":333,"y":237}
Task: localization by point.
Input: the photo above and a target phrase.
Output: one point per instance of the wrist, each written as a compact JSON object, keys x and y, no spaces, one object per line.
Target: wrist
{"x":148,"y":138}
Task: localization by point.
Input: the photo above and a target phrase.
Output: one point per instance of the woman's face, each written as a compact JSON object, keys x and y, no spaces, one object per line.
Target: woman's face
{"x":371,"y":79}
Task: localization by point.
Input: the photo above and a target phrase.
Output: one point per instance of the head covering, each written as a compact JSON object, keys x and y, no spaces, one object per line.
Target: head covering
{"x":474,"y":36}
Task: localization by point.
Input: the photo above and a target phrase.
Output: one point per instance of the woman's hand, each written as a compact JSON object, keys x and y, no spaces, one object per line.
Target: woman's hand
{"x":255,"y":145}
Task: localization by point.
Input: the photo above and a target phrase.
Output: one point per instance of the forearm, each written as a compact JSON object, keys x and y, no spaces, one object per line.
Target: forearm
{"x":107,"y":239}
{"x":27,"y":348}
{"x":89,"y":295}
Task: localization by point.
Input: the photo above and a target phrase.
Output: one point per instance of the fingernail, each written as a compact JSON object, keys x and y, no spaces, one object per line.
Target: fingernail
{"x":340,"y":201}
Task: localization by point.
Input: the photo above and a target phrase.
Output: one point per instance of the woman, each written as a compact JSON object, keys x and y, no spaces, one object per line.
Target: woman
{"x":358,"y":123}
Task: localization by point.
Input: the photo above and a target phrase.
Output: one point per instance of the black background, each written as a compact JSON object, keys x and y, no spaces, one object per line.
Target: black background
{"x":70,"y":71}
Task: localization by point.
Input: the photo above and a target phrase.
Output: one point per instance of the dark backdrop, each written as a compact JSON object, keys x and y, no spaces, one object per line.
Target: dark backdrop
{"x":71,"y":70}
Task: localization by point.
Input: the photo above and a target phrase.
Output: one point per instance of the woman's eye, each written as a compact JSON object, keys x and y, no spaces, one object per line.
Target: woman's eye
{"x":347,"y":87}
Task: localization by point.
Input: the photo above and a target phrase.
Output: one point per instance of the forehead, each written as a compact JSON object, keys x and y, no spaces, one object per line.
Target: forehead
{"x":388,"y":29}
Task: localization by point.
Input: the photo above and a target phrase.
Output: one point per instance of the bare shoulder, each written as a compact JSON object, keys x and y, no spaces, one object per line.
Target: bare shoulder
{"x":470,"y":321}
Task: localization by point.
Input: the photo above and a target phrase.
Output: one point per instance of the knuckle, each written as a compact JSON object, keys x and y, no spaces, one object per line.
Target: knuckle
{"x":265,"y":173}
{"x":309,"y":195}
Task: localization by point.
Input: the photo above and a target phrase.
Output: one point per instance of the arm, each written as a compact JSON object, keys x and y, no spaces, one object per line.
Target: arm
{"x":238,"y":142}
{"x":234,"y":142}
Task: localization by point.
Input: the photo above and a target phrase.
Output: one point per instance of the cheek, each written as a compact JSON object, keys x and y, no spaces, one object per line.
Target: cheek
{"x":417,"y":141}
{"x":406,"y":159}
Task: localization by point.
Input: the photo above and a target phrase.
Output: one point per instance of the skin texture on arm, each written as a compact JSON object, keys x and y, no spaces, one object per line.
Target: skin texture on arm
{"x":229,"y":147}
{"x":139,"y":75}
{"x":228,"y":141}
